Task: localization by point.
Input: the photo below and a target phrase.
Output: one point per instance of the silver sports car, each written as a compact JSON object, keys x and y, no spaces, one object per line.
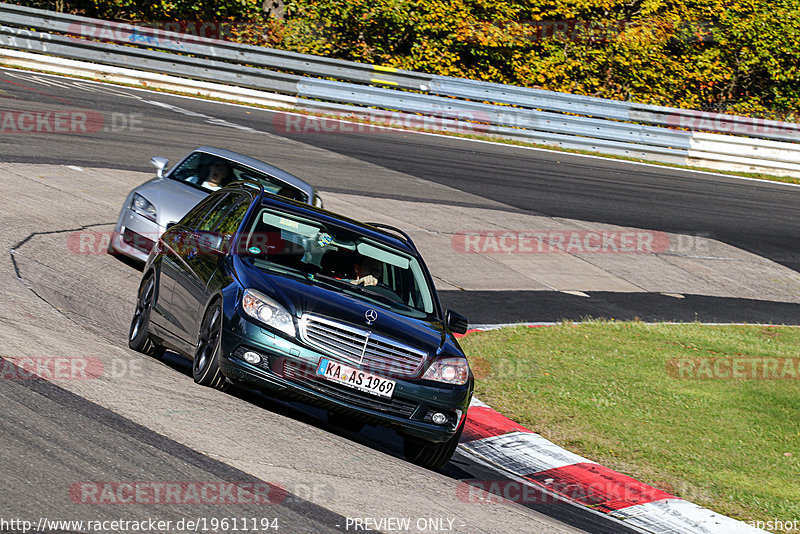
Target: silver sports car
{"x":159,"y":203}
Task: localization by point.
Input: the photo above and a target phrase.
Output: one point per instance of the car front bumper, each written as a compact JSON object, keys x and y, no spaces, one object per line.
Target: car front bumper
{"x":289,"y":367}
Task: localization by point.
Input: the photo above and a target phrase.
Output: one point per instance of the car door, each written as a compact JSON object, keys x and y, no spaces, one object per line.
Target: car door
{"x":176,"y":243}
{"x":197,"y":263}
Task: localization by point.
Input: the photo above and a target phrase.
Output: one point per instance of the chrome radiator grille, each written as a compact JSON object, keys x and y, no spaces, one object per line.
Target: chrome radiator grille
{"x":372,"y":351}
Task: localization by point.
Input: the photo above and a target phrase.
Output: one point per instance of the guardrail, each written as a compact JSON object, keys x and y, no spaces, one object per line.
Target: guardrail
{"x":615,"y":109}
{"x":533,"y":115}
{"x":257,"y":56}
{"x":525,"y":119}
{"x":150,"y":60}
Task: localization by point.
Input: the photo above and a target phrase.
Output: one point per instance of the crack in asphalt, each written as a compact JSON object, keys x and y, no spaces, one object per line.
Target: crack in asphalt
{"x":13,"y":251}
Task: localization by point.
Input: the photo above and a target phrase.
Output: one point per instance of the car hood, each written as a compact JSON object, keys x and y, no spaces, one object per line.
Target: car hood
{"x":301,"y":296}
{"x":172,"y":199}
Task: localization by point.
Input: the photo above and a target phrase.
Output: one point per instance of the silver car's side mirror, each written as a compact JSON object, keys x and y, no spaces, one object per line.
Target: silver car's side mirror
{"x":160,"y":164}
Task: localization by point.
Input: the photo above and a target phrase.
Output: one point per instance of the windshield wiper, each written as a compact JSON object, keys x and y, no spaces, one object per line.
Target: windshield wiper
{"x":337,"y":283}
{"x":270,"y":266}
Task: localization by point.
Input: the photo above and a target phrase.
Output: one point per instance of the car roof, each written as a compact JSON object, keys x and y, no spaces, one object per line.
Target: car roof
{"x":258,"y":165}
{"x":329,"y":217}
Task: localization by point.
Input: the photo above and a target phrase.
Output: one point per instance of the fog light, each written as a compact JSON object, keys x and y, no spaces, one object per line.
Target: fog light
{"x":439,"y":418}
{"x":251,"y":357}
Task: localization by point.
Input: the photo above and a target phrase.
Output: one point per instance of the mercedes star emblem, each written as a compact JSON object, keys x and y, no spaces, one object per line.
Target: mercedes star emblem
{"x":371,"y":316}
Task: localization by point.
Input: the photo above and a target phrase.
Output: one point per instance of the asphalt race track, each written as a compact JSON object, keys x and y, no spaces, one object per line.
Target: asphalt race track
{"x":109,"y":423}
{"x":384,"y":164}
{"x":79,"y":445}
{"x":144,"y":421}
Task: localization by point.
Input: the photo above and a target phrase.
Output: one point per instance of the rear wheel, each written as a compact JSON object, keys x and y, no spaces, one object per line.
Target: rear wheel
{"x":434,"y":456}
{"x":138,"y":336}
{"x":205,"y":366}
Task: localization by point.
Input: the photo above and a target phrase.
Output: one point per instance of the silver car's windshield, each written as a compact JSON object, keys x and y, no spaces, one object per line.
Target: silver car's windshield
{"x":211,"y":173}
{"x":344,"y":260}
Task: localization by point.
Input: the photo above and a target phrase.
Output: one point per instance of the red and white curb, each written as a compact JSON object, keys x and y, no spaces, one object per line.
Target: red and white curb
{"x":529,"y":457}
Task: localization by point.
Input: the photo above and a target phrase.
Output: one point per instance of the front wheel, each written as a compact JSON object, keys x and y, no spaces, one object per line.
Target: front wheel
{"x":205,"y":366}
{"x":138,"y":336}
{"x":433,"y":456}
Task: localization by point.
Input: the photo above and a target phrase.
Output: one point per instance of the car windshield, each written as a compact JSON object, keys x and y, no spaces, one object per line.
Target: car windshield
{"x":340,"y":259}
{"x":211,"y":172}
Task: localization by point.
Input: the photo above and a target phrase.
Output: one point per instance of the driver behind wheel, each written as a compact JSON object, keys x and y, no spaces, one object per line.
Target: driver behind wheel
{"x":368,"y":271}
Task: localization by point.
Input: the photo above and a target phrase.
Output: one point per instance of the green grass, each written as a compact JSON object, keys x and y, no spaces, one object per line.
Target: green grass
{"x":604,"y":390}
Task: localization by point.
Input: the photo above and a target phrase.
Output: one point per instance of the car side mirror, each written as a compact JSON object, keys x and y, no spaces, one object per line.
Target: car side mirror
{"x":160,"y":164}
{"x":456,"y":322}
{"x":209,"y":242}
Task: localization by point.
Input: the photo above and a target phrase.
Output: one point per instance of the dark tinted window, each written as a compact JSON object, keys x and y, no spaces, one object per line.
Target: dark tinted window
{"x":197,"y":169}
{"x":287,"y":243}
{"x":228,"y":225}
{"x":189,"y":169}
{"x":218,"y":212}
{"x":199,"y":212}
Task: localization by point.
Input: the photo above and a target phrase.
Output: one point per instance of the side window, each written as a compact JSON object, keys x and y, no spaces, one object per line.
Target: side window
{"x":218,"y":212}
{"x":227,"y":226}
{"x":189,"y":169}
{"x":205,"y":170}
{"x":284,"y":190}
{"x":197,"y":214}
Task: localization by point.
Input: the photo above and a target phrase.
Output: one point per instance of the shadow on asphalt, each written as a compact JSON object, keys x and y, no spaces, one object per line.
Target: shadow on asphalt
{"x":469,"y":473}
{"x":492,"y":307}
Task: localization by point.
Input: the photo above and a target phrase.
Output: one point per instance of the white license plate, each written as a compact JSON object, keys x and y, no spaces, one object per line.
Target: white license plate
{"x":355,"y":379}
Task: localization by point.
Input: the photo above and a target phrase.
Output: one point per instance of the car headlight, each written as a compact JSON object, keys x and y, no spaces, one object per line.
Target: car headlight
{"x":449,"y":371}
{"x":262,"y":308}
{"x":143,"y":207}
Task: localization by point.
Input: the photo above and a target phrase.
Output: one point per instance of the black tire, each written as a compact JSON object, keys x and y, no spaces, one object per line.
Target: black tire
{"x":433,"y":456}
{"x":205,"y":365}
{"x":345,"y":421}
{"x":138,"y":335}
